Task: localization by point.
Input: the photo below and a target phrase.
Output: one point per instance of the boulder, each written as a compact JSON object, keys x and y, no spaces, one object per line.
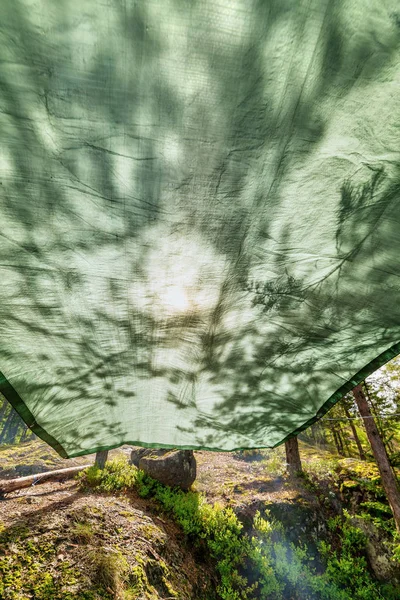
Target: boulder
{"x":378,"y":552}
{"x":176,"y":468}
{"x":138,"y":453}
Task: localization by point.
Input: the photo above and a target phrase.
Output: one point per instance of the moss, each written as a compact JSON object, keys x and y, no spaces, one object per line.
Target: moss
{"x":110,"y":570}
{"x":23,"y":571}
{"x":28,"y":457}
{"x":349,"y":484}
{"x":138,"y":579}
{"x":31,"y":568}
{"x":82,"y":532}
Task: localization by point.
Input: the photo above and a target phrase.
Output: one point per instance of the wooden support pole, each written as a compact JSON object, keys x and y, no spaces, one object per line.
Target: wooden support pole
{"x":101,"y":459}
{"x":293,"y":456}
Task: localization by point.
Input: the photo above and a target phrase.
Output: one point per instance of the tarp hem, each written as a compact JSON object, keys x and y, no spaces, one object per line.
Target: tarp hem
{"x":10,"y":393}
{"x":19,"y":405}
{"x":359,"y":377}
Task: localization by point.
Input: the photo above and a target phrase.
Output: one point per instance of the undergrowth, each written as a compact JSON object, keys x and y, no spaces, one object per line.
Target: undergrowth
{"x":261,"y":563}
{"x":23,"y":572}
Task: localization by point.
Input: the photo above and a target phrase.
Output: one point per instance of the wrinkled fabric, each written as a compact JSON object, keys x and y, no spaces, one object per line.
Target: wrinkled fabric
{"x":199,"y":212}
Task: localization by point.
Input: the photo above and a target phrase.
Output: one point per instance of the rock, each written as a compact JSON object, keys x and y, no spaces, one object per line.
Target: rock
{"x":138,"y":453}
{"x":176,"y":468}
{"x":379,"y":557}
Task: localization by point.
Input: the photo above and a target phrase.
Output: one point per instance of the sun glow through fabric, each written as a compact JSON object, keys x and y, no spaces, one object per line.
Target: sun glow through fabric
{"x":199,"y":208}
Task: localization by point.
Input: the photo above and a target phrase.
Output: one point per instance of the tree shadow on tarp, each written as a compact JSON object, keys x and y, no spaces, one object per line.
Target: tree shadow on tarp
{"x":157,"y":288}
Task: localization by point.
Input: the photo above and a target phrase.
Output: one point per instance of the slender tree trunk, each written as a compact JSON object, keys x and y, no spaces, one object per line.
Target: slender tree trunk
{"x":388,"y":480}
{"x":377,"y":419}
{"x":379,"y":424}
{"x":345,"y":441}
{"x":314,"y":433}
{"x":293,"y":456}
{"x":101,"y":459}
{"x":25,"y":435}
{"x":338,"y":441}
{"x":4,"y":406}
{"x":15,"y":428}
{"x":322,"y":435}
{"x":6,"y":427}
{"x":355,"y":434}
{"x":335,"y":440}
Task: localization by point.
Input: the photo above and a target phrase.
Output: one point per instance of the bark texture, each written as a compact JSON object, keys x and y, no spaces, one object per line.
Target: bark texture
{"x":101,"y":459}
{"x":22,"y":482}
{"x":388,"y":480}
{"x":293,"y":456}
{"x":355,"y":434}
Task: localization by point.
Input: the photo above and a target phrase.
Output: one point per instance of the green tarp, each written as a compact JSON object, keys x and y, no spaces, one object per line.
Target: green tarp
{"x":199,"y":215}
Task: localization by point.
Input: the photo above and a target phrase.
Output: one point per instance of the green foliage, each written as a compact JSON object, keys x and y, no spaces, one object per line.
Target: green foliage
{"x":117,"y":475}
{"x":275,"y":463}
{"x":377,"y":507}
{"x":13,"y":430}
{"x":263,"y":564}
{"x":111,"y":569}
{"x":346,"y":565}
{"x":396,"y":547}
{"x":23,"y":572}
{"x":322,"y":468}
{"x":291,"y":573}
{"x":379,"y":514}
{"x":82,"y":532}
{"x":217,"y":527}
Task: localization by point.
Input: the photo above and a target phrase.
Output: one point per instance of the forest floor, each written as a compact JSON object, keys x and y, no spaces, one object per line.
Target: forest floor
{"x":71,"y":533}
{"x":232,"y":479}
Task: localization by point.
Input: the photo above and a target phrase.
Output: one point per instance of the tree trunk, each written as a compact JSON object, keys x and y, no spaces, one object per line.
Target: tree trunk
{"x":22,"y":482}
{"x":355,"y":434}
{"x":335,"y":441}
{"x":6,"y":427}
{"x":338,"y":442}
{"x":101,"y":459}
{"x":379,"y":425}
{"x":24,"y":435}
{"x":293,"y":456}
{"x":377,"y":418}
{"x":388,"y":480}
{"x":5,"y":406}
{"x":321,"y":436}
{"x":340,"y":439}
{"x":344,"y":440}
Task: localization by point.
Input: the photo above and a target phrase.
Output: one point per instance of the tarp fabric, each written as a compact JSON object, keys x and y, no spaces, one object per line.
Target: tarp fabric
{"x":199,"y":215}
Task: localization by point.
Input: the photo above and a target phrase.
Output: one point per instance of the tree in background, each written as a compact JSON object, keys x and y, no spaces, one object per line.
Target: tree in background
{"x":293,"y":460}
{"x":388,"y":479}
{"x":348,"y":405}
{"x":383,"y":399}
{"x":12,"y":428}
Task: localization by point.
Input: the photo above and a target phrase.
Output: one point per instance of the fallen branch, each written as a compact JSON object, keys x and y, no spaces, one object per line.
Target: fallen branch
{"x":22,"y":482}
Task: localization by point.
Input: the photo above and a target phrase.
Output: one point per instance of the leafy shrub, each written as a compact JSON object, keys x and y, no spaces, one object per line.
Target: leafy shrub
{"x":347,"y":565}
{"x":322,"y":468}
{"x":216,"y":526}
{"x":117,"y":475}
